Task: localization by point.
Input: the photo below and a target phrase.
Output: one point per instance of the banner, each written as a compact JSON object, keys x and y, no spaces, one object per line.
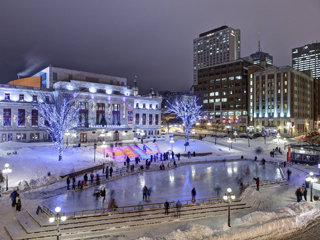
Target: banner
{"x":130,"y":114}
{"x":289,"y":155}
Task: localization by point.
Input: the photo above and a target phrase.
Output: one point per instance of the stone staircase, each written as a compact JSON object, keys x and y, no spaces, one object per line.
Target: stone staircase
{"x":28,"y":225}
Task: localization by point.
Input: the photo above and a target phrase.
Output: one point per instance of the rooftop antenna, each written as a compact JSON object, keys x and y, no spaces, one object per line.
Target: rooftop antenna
{"x":259,"y":43}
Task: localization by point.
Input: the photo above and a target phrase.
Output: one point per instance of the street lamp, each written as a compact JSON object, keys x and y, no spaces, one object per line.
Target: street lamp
{"x":284,"y":143}
{"x":230,"y":143}
{"x":6,"y":171}
{"x":278,"y":136}
{"x":235,"y":135}
{"x":228,"y":197}
{"x":194,"y":134}
{"x":311,"y":179}
{"x":57,"y":217}
{"x":171,"y":141}
{"x":302,"y":150}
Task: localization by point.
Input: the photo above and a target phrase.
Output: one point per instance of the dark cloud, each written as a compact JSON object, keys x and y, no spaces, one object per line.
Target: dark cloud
{"x":150,"y":39}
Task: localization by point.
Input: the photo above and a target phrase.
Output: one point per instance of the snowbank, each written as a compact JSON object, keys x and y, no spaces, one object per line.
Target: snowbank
{"x":257,"y":225}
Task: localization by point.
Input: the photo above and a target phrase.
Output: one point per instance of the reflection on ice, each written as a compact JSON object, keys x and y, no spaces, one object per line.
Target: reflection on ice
{"x":172,"y":185}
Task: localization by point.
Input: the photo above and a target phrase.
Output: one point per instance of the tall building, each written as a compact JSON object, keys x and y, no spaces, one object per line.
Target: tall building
{"x":307,"y":58}
{"x":223,"y":88}
{"x":280,"y":100}
{"x":214,"y":47}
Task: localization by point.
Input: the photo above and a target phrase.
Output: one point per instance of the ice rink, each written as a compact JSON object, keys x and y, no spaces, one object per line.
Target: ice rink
{"x":171,"y":185}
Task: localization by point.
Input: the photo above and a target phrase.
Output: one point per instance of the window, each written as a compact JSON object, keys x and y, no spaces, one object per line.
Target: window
{"x":157,"y":106}
{"x":230,"y":106}
{"x":7,"y":117}
{"x":144,"y":105}
{"x":279,"y":91}
{"x":285,"y":90}
{"x":144,"y":119}
{"x":230,"y":92}
{"x":211,"y":100}
{"x":224,"y":86}
{"x":224,"y":100}
{"x":217,"y":100}
{"x":205,"y":101}
{"x":34,"y":118}
{"x":150,"y":119}
{"x":157,"y":119}
{"x":217,"y":93}
{"x":230,"y":113}
{"x":34,"y":136}
{"x":238,"y":77}
{"x":34,"y":98}
{"x":211,"y":94}
{"x":224,"y":93}
{"x":231,"y":78}
{"x":238,"y":105}
{"x":21,"y":136}
{"x":100,"y":114}
{"x":285,"y":82}
{"x":47,"y":99}
{"x":137,"y":119}
{"x":21,"y":97}
{"x":7,"y":96}
{"x":137,"y":105}
{"x":150,"y":106}
{"x":21,"y":117}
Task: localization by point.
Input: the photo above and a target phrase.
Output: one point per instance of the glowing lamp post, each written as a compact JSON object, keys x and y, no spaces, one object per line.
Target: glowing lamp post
{"x":235,"y":136}
{"x":278,"y":136}
{"x":57,"y":217}
{"x":171,"y":141}
{"x":230,"y":143}
{"x":228,"y":197}
{"x":194,"y":134}
{"x":311,"y":179}
{"x":6,"y":171}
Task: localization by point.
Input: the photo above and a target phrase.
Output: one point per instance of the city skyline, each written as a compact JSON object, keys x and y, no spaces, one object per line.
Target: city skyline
{"x":151,"y":40}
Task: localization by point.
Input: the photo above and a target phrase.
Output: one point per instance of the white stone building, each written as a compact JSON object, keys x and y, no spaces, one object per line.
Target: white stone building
{"x":127,"y":115}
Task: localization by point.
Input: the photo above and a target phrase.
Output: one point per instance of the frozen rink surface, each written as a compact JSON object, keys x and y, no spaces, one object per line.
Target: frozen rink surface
{"x":171,"y":185}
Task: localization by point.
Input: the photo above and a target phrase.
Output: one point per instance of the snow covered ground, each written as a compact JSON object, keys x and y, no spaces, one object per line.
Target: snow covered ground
{"x":33,"y":161}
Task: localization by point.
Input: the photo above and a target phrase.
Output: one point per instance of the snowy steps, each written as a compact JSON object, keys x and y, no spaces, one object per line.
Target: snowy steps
{"x":28,"y":225}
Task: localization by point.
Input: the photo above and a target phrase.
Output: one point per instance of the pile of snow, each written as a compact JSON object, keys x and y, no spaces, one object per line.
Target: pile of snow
{"x":257,"y":225}
{"x":36,"y":183}
{"x":192,"y":231}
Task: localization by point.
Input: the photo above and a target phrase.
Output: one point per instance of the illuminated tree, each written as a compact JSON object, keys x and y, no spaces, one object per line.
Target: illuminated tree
{"x":60,"y":113}
{"x":187,"y":109}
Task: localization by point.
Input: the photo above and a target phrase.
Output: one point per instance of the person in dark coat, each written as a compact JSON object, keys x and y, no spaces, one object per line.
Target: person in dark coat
{"x":194,"y":154}
{"x":73,"y":183}
{"x":13,"y":196}
{"x":166,"y":208}
{"x":299,"y":194}
{"x":111,"y":170}
{"x":79,"y":184}
{"x":178,"y":206}
{"x":68,"y":182}
{"x":257,"y":182}
{"x":144,"y":193}
{"x":289,"y":173}
{"x":107,"y":172}
{"x":178,"y":155}
{"x":193,"y":194}
{"x":305,"y":191}
{"x":103,"y":194}
{"x":85,"y":178}
{"x":172,"y":155}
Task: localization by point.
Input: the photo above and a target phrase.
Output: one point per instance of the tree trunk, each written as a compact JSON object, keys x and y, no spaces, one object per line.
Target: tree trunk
{"x":187,"y":135}
{"x":60,"y":154}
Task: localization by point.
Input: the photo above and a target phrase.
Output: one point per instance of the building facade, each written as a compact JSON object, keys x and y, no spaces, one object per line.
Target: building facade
{"x":102,"y":97}
{"x":224,"y":91}
{"x":307,"y":58}
{"x":215,"y":46}
{"x":280,"y":100}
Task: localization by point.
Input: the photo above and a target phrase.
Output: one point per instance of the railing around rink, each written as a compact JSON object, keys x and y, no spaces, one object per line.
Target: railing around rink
{"x":161,"y":205}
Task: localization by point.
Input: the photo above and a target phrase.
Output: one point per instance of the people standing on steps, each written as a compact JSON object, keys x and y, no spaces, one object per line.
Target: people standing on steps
{"x":257,"y":182}
{"x":73,"y":183}
{"x":193,"y":194}
{"x":166,"y":208}
{"x":68,"y":182}
{"x":85,"y":178}
{"x":178,"y":206}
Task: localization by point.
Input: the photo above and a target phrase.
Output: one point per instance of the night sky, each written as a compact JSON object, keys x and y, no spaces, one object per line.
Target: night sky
{"x":150,"y":39}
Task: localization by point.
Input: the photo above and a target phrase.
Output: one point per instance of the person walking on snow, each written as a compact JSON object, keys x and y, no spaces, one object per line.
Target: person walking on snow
{"x":144,"y":193}
{"x":17,"y":201}
{"x":13,"y":197}
{"x":298,"y":194}
{"x":289,"y":173}
{"x":103,"y":194}
{"x":257,"y":182}
{"x":305,"y":191}
{"x":193,"y":194}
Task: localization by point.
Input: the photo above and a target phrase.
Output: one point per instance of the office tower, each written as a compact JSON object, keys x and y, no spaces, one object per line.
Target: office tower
{"x":307,"y":58}
{"x":214,"y":47}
